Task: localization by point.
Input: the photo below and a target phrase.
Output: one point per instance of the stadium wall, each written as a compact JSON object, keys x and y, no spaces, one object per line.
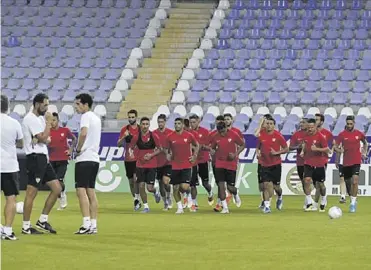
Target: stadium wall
{"x":112,"y":176}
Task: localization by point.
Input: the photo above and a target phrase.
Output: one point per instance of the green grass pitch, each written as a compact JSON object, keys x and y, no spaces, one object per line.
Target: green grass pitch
{"x":244,"y":239}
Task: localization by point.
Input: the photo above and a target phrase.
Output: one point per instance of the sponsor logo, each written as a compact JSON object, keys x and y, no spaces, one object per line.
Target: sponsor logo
{"x":108,"y":178}
{"x":110,"y":153}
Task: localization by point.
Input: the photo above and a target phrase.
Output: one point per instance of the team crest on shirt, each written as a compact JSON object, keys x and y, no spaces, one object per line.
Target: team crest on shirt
{"x":273,"y":139}
{"x":229,"y":140}
{"x":314,"y":141}
{"x":185,"y":140}
{"x":62,"y":134}
{"x":200,"y":135}
{"x":356,"y":137}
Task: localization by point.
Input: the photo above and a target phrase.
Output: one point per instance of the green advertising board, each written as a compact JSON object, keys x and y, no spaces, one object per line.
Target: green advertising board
{"x":112,"y":178}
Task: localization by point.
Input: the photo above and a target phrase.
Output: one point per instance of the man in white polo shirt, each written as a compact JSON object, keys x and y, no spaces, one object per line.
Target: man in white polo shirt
{"x":87,"y":163}
{"x":36,"y":130}
{"x":11,"y":137}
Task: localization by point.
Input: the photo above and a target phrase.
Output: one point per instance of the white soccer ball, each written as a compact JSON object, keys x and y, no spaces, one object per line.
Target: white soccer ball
{"x":335,"y":212}
{"x":19,"y":207}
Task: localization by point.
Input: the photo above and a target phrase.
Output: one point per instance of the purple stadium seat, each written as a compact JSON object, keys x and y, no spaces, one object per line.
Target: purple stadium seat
{"x":226,"y":97}
{"x":312,"y":86}
{"x":199,"y":86}
{"x":235,"y":75}
{"x":252,"y":75}
{"x":308,"y":98}
{"x":210,"y":97}
{"x":246,"y":86}
{"x":293,"y":98}
{"x":81,"y":74}
{"x":274,"y":98}
{"x":242,"y":98}
{"x":356,"y":98}
{"x":340,"y":98}
{"x":263,"y":86}
{"x":231,"y":86}
{"x":323,"y":99}
{"x":360,"y":87}
{"x":271,"y":64}
{"x":279,"y":86}
{"x":22,"y":95}
{"x":220,"y":75}
{"x":106,"y":85}
{"x":258,"y":98}
{"x":364,"y":75}
{"x":215,"y":86}
{"x":327,"y":87}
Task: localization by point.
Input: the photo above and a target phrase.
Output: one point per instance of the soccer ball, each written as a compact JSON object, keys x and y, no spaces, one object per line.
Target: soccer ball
{"x":19,"y":207}
{"x":335,"y":212}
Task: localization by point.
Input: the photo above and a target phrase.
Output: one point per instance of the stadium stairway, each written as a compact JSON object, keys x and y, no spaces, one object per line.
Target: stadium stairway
{"x":158,"y":75}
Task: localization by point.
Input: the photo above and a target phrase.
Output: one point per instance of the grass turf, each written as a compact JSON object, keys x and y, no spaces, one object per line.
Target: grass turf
{"x":244,"y":239}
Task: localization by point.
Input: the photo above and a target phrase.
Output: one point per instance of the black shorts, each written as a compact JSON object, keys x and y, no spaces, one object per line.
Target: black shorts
{"x":39,"y":170}
{"x":300,"y":170}
{"x":260,"y":173}
{"x":349,"y":171}
{"x":201,"y":170}
{"x":130,"y":168}
{"x":10,"y":184}
{"x":146,"y":175}
{"x":182,"y":176}
{"x":60,"y":168}
{"x":341,"y":171}
{"x":86,"y":173}
{"x":271,"y":174}
{"x":224,"y":175}
{"x":163,"y":171}
{"x":318,"y":174}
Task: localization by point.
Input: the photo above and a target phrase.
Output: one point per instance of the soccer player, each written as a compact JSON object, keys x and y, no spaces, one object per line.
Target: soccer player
{"x":59,"y":153}
{"x":87,"y":163}
{"x":126,"y":134}
{"x":271,"y":145}
{"x":258,"y":130}
{"x":36,"y":131}
{"x":315,"y":153}
{"x":201,"y":167}
{"x":227,"y":145}
{"x":320,"y":119}
{"x":296,"y":143}
{"x":350,"y":139}
{"x":148,"y":147}
{"x":180,"y":143}
{"x":163,"y":173}
{"x":11,"y":138}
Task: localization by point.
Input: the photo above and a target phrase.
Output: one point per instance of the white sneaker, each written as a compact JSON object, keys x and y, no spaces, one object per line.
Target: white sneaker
{"x":62,"y":201}
{"x":179,"y":211}
{"x":225,"y":211}
{"x":315,"y":206}
{"x":190,"y":201}
{"x":237,"y":200}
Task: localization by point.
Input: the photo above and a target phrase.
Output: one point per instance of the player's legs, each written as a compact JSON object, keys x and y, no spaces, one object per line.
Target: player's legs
{"x":318,"y":177}
{"x":85,"y":175}
{"x":343,"y":188}
{"x":261,"y":186}
{"x":181,"y":183}
{"x":203,"y":172}
{"x":130,"y":167}
{"x":221,"y":179}
{"x":141,"y":180}
{"x":167,"y":187}
{"x":230,"y":177}
{"x":10,"y":189}
{"x":60,"y":168}
{"x":352,"y":173}
{"x":194,"y":183}
{"x":308,"y":173}
{"x":275,"y":175}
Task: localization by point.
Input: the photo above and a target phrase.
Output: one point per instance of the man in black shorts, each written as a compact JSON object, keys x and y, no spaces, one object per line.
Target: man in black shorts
{"x":59,"y":153}
{"x":271,"y":145}
{"x":11,"y":137}
{"x":147,"y":146}
{"x":180,"y":144}
{"x":315,"y":153}
{"x":126,"y":134}
{"x":87,"y":163}
{"x":36,"y":130}
{"x":163,"y":164}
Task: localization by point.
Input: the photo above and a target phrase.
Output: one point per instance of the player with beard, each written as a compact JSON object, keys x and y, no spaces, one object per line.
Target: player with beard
{"x":201,"y":167}
{"x":261,"y":129}
{"x":271,"y":145}
{"x":227,"y":145}
{"x":163,"y":164}
{"x":315,"y":152}
{"x":350,"y":140}
{"x":181,"y":143}
{"x":60,"y":152}
{"x":36,"y":131}
{"x":296,"y":143}
{"x":126,"y":134}
{"x":320,"y":119}
{"x":148,"y":147}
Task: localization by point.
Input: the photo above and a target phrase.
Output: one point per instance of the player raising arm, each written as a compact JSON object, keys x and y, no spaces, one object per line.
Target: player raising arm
{"x":227,"y":145}
{"x":350,"y":139}
{"x":180,"y":143}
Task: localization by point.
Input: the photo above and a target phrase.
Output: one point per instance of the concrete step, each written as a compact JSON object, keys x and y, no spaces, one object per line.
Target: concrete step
{"x":190,"y":16}
{"x":191,"y":45}
{"x":158,"y":77}
{"x":169,"y":34}
{"x":188,"y":31}
{"x":175,"y":25}
{"x":194,"y":5}
{"x":163,"y":63}
{"x":187,"y":21}
{"x":191,"y":11}
{"x":171,"y":54}
{"x":158,"y":70}
{"x":178,"y":39}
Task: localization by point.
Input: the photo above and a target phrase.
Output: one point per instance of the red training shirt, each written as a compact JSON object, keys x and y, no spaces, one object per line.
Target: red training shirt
{"x":140,"y":153}
{"x":181,"y":149}
{"x":58,"y":144}
{"x":162,"y":135}
{"x":130,"y":154}
{"x":314,"y":158}
{"x":351,"y":142}
{"x":267,"y":142}
{"x":225,"y":145}
{"x":202,"y":136}
{"x":237,"y":131}
{"x":296,"y":139}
